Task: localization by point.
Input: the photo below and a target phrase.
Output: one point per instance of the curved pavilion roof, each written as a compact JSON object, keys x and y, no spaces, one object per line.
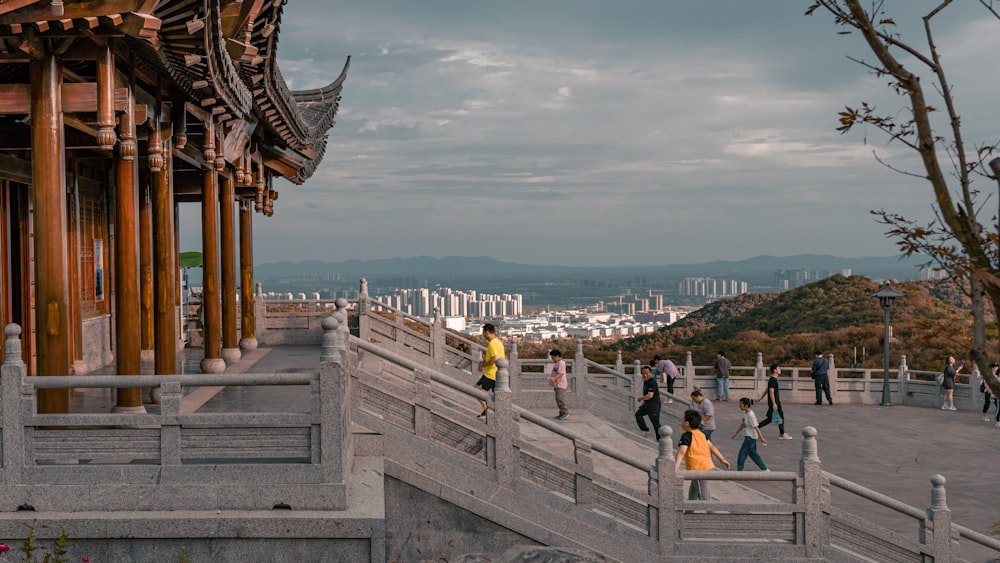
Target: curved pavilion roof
{"x":221,"y":54}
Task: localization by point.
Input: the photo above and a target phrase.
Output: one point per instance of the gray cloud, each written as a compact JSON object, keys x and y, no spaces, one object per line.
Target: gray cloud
{"x":637,"y":132}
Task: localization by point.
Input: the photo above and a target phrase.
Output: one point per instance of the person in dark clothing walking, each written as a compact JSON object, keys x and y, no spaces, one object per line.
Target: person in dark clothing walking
{"x":650,"y":400}
{"x":774,"y":412}
{"x":821,"y":378}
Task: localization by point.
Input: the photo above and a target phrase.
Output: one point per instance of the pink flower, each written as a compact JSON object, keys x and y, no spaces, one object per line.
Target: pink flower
{"x":85,"y":559}
{"x":4,"y":548}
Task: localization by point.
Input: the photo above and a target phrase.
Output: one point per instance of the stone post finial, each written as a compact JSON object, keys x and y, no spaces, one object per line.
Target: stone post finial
{"x":12,"y":350}
{"x":759,"y":366}
{"x":579,"y":347}
{"x":938,"y":501}
{"x":330,"y":352}
{"x":503,"y":375}
{"x":810,"y":449}
{"x":260,"y":289}
{"x":364,"y":287}
{"x":666,"y":453}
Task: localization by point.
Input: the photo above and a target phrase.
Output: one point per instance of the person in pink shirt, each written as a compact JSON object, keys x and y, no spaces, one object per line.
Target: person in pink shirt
{"x":558,"y":383}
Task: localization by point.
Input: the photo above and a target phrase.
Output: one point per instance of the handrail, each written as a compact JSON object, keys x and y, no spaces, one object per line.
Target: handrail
{"x":607,"y":370}
{"x":186,"y":380}
{"x":523,"y":413}
{"x":375,"y":302}
{"x":981,"y":539}
{"x":877,"y":497}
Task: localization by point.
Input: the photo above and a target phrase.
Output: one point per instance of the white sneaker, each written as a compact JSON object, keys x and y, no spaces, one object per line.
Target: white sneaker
{"x":986,"y":419}
{"x":669,"y":401}
{"x":998,"y":425}
{"x":785,"y":437}
{"x":944,"y":407}
{"x":952,"y":408}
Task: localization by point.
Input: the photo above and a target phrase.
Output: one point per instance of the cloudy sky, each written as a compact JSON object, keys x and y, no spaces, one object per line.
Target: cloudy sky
{"x":591,"y":132}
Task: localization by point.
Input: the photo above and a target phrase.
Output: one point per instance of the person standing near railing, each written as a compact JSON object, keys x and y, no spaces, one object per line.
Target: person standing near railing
{"x":494,"y":351}
{"x":722,"y":366}
{"x":948,"y":383}
{"x":995,"y":368}
{"x":669,"y":371}
{"x":820,"y":374}
{"x":558,"y":383}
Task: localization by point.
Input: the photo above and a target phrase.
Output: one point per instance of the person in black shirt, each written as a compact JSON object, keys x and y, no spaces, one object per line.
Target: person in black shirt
{"x":774,"y":412}
{"x":650,"y":400}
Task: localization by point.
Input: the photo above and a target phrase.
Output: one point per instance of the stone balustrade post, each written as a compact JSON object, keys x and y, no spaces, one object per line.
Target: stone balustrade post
{"x":423,"y":401}
{"x":336,"y":447}
{"x":689,"y":373}
{"x":635,"y":389}
{"x":364,"y":324}
{"x":506,"y":426}
{"x":438,"y":339}
{"x":904,"y":380}
{"x":669,"y":495}
{"x":584,"y":474}
{"x":834,"y":377}
{"x":619,"y":364}
{"x":259,"y":313}
{"x":171,"y":400}
{"x":758,"y":370}
{"x":814,"y":497}
{"x":937,"y":530}
{"x":580,"y":372}
{"x":343,"y":332}
{"x":515,"y":368}
{"x":12,"y":372}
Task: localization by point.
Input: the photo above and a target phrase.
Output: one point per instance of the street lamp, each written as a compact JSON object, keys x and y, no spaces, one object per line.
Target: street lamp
{"x":886,"y":296}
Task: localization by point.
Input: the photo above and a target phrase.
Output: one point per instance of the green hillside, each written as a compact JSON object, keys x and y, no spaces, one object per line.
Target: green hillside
{"x":836,"y":315}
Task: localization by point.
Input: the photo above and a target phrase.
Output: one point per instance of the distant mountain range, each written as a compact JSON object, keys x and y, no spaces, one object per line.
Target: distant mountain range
{"x":482,"y":266}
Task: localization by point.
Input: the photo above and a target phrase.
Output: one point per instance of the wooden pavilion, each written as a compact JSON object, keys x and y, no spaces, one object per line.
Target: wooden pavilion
{"x":112,"y":112}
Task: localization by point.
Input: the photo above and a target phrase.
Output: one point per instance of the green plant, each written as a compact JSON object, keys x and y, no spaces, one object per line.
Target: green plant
{"x":33,"y":550}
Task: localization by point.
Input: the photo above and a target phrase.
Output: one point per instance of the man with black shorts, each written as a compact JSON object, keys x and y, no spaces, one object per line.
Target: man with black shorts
{"x":494,"y":351}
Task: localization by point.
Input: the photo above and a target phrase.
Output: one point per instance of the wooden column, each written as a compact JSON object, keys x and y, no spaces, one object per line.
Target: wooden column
{"x":212,"y":307}
{"x":248,"y":320}
{"x":48,"y":169}
{"x":164,"y":273}
{"x":230,"y":348}
{"x":127,"y":297}
{"x":146,"y":266}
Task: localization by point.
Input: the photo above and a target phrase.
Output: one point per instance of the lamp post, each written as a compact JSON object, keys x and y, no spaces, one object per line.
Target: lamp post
{"x":886,"y":296}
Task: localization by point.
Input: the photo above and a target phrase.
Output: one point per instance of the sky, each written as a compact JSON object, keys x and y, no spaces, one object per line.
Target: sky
{"x":599,"y":133}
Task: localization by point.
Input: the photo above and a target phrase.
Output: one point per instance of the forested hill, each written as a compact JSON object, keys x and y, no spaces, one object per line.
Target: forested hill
{"x":836,"y":315}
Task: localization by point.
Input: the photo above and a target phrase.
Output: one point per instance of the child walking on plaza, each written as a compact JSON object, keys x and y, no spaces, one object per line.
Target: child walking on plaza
{"x":751,"y":432}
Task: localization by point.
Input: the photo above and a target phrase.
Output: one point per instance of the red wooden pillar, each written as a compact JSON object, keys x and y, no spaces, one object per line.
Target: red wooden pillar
{"x":127,"y":298}
{"x":164,"y":273}
{"x":230,"y":348}
{"x":213,"y":362}
{"x":247,"y":294}
{"x":48,"y":168}
{"x":146,"y":267}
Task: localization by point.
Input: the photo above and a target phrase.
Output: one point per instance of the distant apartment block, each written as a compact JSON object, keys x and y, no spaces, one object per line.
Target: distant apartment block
{"x":711,"y":287}
{"x":454,"y":303}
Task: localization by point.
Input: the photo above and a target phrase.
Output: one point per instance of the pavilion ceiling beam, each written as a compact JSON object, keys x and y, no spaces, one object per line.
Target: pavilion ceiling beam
{"x":30,"y":12}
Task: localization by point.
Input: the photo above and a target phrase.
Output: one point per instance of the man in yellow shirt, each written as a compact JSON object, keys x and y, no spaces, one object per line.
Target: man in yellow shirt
{"x":494,"y":351}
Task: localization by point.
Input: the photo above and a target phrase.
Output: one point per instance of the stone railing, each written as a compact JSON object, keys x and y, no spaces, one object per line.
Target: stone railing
{"x":171,"y":459}
{"x":401,"y":399}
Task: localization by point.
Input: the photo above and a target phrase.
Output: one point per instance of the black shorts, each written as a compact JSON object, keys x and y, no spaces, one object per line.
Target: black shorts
{"x":486,"y":383}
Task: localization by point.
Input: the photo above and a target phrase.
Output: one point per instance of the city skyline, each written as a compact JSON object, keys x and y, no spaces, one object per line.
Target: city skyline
{"x":587,"y":133}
